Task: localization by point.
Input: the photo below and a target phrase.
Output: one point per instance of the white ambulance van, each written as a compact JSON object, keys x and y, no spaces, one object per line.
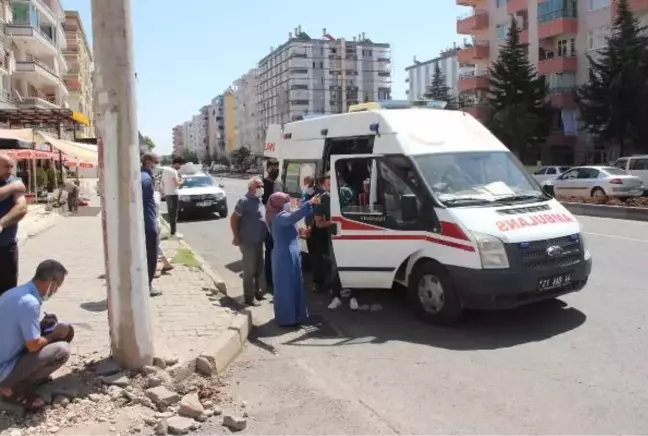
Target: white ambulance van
{"x":439,"y":205}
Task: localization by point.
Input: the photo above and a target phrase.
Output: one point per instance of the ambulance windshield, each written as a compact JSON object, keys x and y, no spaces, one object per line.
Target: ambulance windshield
{"x":477,"y":177}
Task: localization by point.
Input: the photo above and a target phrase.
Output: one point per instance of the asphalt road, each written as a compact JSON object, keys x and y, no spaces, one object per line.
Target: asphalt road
{"x":570,"y":366}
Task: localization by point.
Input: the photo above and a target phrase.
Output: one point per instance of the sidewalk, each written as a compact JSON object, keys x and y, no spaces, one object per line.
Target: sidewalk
{"x":186,"y":320}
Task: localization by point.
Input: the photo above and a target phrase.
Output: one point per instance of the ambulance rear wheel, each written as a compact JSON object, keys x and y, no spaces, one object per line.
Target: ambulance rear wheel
{"x":432,"y":294}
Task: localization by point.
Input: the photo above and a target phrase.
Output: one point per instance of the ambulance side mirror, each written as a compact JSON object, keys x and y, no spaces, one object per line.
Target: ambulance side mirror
{"x":409,"y":207}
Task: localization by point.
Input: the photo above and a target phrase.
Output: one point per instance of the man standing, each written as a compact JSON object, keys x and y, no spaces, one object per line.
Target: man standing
{"x":170,"y":183}
{"x":270,"y":186}
{"x":151,"y":229}
{"x":13,"y":208}
{"x":30,"y":349}
{"x":249,"y":229}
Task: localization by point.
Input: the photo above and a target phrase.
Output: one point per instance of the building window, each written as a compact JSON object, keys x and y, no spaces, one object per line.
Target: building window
{"x":502,"y":31}
{"x":500,"y":3}
{"x":597,"y":38}
{"x":551,"y":10}
{"x":598,"y":4}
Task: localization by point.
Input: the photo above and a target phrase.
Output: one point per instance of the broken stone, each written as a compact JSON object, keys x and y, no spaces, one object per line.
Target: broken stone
{"x":153,"y":381}
{"x":95,"y":398}
{"x":190,"y":406}
{"x":234,"y":423}
{"x":15,"y":432}
{"x":161,"y":428}
{"x":201,"y":418}
{"x":115,"y":392}
{"x":159,"y":362}
{"x":61,"y":401}
{"x":107,"y":367}
{"x":163,"y":415}
{"x":101,"y":419}
{"x":53,"y":429}
{"x":208,"y":404}
{"x":170,"y":361}
{"x":162,"y":395}
{"x":118,"y":379}
{"x":194,"y":426}
{"x":244,"y":404}
{"x":112,"y":429}
{"x":179,"y":425}
{"x":204,"y":366}
{"x":129,"y":395}
{"x":218,"y":411}
{"x":147,"y":370}
{"x":144,"y":401}
{"x":245,"y":415}
{"x":151,"y":421}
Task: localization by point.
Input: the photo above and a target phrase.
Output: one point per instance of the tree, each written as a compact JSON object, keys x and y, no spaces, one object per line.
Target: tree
{"x":439,"y":90}
{"x":149,"y":143}
{"x":519,"y":114}
{"x":189,"y":156}
{"x":239,"y":156}
{"x":613,"y":102}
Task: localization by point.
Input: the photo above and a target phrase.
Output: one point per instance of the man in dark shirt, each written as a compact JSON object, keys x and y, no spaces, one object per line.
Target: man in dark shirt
{"x":13,"y":208}
{"x":322,"y":235}
{"x":271,"y":184}
{"x":151,"y":229}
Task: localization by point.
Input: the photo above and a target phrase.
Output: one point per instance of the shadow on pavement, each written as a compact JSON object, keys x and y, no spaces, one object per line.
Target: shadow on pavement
{"x":95,"y":306}
{"x":396,"y":322}
{"x":197,"y":218}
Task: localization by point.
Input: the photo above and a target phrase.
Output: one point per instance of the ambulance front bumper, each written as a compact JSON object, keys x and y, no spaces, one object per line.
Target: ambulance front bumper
{"x":532,"y":277}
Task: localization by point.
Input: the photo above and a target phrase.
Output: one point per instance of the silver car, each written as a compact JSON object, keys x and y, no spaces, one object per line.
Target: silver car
{"x":550,"y":172}
{"x":595,"y":181}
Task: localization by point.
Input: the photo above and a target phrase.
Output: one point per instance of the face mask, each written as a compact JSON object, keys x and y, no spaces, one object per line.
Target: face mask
{"x":50,"y":290}
{"x":286,"y":207}
{"x":273,"y":173}
{"x":258,"y":193}
{"x":310,"y":191}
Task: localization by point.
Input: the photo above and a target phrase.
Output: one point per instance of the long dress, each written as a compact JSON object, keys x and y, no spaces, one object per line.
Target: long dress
{"x":290,"y":306}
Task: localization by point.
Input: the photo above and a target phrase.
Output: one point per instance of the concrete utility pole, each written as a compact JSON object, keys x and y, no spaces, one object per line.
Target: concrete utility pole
{"x":119,"y":175}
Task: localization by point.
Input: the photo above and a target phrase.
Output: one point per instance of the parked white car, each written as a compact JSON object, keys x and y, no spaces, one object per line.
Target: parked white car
{"x":636,"y":166}
{"x":595,"y":181}
{"x":549,"y":172}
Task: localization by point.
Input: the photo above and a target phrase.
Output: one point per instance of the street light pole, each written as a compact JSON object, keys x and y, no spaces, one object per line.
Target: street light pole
{"x":119,"y":176}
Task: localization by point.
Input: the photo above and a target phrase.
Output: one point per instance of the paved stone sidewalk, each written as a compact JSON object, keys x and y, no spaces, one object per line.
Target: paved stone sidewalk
{"x":184,"y":319}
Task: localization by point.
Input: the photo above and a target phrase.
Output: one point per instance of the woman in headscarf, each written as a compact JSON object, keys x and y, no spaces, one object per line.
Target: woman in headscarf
{"x":289,"y":301}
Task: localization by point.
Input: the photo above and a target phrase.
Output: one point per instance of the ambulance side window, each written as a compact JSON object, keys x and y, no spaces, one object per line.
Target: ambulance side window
{"x":294,"y":173}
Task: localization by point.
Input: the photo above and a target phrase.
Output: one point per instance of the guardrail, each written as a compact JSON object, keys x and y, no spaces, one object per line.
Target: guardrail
{"x":606,"y":211}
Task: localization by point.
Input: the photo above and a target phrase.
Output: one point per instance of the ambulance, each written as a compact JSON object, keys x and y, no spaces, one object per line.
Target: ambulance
{"x":439,"y":205}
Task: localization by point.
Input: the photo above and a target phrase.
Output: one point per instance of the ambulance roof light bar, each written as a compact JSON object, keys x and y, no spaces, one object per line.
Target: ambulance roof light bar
{"x":398,"y":104}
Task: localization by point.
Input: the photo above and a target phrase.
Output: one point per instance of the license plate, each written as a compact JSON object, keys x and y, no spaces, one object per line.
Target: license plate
{"x":556,"y":282}
{"x":204,"y":204}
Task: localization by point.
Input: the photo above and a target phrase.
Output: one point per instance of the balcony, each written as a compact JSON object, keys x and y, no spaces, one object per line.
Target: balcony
{"x":476,"y":21}
{"x":33,"y":38}
{"x":465,"y":2}
{"x":563,"y":97}
{"x":38,"y":74}
{"x":478,"y":51}
{"x":473,"y":81}
{"x":558,"y":64}
{"x":556,"y":24}
{"x":30,"y":102}
{"x":515,"y":6}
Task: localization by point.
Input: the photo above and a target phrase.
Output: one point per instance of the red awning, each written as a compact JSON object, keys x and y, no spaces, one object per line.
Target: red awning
{"x":29,"y":154}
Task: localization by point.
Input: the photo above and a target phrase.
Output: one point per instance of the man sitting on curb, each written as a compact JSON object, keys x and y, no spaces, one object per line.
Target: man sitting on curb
{"x":31,"y":350}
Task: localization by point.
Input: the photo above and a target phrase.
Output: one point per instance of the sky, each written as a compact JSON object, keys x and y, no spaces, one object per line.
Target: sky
{"x":187,"y":52}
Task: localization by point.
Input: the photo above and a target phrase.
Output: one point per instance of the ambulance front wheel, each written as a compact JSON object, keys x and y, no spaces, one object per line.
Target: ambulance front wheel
{"x":432,"y":294}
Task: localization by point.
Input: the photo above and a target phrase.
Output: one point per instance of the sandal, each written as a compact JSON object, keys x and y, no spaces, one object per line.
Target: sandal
{"x":28,"y":401}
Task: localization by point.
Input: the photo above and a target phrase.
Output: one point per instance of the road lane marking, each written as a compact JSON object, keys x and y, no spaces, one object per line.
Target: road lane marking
{"x":617,"y":237}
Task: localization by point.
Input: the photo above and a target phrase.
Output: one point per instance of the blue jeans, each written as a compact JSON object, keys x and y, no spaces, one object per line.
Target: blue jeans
{"x":152,"y":241}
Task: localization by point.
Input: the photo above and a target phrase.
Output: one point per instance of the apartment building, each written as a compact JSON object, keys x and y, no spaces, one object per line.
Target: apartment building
{"x":559,"y":34}
{"x":78,"y":78}
{"x":230,"y":128}
{"x":421,"y":73}
{"x":36,"y":40}
{"x":178,"y":140}
{"x":217,"y":127}
{"x":247,"y":131}
{"x":323,"y":75}
{"x":203,"y":128}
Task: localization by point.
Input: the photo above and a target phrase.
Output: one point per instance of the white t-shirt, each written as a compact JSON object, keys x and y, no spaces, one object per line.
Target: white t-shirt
{"x":169,"y":181}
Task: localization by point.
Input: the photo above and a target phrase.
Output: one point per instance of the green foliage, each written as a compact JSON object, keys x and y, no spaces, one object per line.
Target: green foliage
{"x":190,"y":156}
{"x":149,"y":143}
{"x":240,"y":156}
{"x":614,"y":102}
{"x":439,"y":90}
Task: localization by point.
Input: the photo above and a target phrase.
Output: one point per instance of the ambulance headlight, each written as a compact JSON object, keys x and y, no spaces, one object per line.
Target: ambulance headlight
{"x":492,"y":252}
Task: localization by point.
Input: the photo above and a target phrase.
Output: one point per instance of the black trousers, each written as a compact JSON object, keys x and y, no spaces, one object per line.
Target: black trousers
{"x":325,"y":273}
{"x":8,"y":267}
{"x":269,"y":245}
{"x":152,"y":243}
{"x":172,"y":211}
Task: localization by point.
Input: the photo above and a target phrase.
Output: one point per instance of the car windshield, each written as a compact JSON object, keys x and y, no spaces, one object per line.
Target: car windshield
{"x":197,"y":182}
{"x":563,"y":169}
{"x":614,"y":171}
{"x":484,"y":176}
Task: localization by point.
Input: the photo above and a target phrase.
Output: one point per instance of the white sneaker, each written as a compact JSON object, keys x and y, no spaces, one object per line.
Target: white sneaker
{"x":335,"y":303}
{"x":353,"y":304}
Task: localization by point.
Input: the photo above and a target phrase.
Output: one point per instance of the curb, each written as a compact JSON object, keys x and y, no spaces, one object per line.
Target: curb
{"x":605,"y":211}
{"x":219,"y":283}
